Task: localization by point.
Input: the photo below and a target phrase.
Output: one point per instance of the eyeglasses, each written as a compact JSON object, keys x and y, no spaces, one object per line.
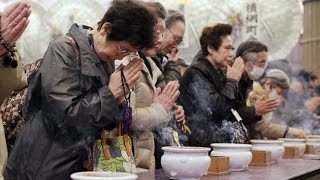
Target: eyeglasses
{"x":178,"y":39}
{"x":122,"y":51}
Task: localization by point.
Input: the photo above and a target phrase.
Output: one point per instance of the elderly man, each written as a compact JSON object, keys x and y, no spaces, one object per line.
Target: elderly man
{"x":255,"y":56}
{"x":167,"y":59}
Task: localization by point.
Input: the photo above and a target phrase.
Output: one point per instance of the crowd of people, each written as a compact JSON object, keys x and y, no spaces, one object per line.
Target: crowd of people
{"x":132,"y":56}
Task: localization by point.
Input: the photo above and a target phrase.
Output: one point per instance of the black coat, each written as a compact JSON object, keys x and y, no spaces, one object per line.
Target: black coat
{"x":67,"y":104}
{"x":170,"y":69}
{"x":207,"y":97}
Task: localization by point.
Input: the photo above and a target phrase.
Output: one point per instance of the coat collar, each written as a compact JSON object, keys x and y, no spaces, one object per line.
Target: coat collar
{"x":215,"y":76}
{"x":152,"y":81}
{"x":90,"y":63}
{"x":245,"y":86}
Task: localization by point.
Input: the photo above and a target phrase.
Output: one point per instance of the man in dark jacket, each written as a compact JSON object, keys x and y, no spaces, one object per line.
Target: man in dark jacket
{"x":72,"y":97}
{"x":169,"y":53}
{"x":255,"y":56}
{"x":213,"y":97}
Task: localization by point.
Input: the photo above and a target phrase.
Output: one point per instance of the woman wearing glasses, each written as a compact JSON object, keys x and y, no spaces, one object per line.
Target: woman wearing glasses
{"x":151,"y":106}
{"x":72,"y":97}
{"x":166,"y":59}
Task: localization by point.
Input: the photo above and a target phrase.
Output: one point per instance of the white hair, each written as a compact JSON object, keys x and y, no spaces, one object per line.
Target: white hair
{"x":250,"y":57}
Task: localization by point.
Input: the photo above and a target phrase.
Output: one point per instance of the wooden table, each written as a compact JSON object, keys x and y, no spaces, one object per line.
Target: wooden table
{"x":284,"y":169}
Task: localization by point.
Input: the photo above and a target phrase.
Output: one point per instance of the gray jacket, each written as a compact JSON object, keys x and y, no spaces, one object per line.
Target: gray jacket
{"x":67,"y":104}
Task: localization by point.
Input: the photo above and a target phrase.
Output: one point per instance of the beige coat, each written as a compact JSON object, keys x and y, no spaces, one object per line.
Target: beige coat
{"x":263,"y":129}
{"x":146,"y":116}
{"x":10,"y":79}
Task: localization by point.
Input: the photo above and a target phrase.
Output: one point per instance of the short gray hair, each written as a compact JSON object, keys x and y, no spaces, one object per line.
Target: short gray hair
{"x":278,"y":78}
{"x":250,"y":57}
{"x":250,"y":46}
{"x":173,"y":17}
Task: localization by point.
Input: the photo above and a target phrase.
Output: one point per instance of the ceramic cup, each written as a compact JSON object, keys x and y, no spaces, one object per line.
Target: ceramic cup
{"x":274,"y":146}
{"x":185,"y":162}
{"x":239,"y":154}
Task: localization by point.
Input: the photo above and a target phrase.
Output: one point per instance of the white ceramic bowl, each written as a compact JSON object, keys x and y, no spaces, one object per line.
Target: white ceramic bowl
{"x":274,"y":146}
{"x":185,"y":162}
{"x":315,"y":143}
{"x":239,"y":154}
{"x":313,"y":137}
{"x":313,"y":140}
{"x":96,"y":175}
{"x":297,"y":143}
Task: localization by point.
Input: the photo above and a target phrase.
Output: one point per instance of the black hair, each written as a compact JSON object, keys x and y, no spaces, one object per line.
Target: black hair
{"x":212,"y":36}
{"x":313,"y":77}
{"x":132,"y":22}
{"x":305,"y":77}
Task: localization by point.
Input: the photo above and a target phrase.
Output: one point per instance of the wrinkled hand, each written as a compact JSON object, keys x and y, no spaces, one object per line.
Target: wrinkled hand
{"x":168,"y":96}
{"x":131,"y":73}
{"x":179,"y":114}
{"x":312,"y":104}
{"x":13,"y":23}
{"x":265,"y":105}
{"x":296,"y":133}
{"x":236,"y":71}
{"x":174,"y":54}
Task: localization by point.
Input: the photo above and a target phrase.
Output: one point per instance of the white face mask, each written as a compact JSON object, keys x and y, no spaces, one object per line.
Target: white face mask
{"x":256,"y":72}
